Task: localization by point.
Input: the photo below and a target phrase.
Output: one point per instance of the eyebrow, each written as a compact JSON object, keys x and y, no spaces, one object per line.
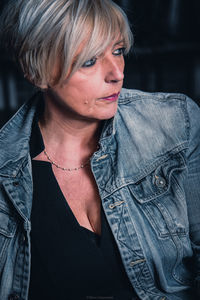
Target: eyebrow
{"x":118,"y":42}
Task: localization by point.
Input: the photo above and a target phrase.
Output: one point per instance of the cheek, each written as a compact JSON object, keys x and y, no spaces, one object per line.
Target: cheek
{"x":89,"y":90}
{"x":86,"y":93}
{"x":82,"y":88}
{"x":80,"y":96}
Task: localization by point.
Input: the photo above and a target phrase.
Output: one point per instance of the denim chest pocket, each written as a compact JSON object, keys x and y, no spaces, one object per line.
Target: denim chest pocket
{"x":160,"y":197}
{"x":7,"y":231}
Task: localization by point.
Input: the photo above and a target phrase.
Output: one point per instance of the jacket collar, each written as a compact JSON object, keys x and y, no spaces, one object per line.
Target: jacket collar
{"x":15,"y":136}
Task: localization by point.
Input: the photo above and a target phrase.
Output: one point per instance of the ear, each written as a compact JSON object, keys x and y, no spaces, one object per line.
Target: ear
{"x":43,"y":86}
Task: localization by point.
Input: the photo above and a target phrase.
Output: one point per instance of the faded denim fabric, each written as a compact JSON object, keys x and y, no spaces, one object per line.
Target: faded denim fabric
{"x":148,"y":174}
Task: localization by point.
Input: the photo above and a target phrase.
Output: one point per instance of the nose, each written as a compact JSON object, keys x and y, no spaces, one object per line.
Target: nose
{"x":114,"y":70}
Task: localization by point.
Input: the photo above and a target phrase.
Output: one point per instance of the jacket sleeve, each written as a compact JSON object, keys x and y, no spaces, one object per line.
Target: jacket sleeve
{"x":192,"y":184}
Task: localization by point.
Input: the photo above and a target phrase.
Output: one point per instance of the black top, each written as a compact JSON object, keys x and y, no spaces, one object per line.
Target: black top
{"x":69,"y":262}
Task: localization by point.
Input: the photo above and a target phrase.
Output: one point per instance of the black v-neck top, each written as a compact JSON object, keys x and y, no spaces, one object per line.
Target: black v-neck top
{"x":68,"y":261}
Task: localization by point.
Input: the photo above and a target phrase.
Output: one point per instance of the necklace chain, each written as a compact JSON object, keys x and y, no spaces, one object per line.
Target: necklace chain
{"x":64,"y":168}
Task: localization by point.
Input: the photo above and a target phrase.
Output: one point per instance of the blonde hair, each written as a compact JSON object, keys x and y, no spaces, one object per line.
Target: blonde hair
{"x":46,"y":34}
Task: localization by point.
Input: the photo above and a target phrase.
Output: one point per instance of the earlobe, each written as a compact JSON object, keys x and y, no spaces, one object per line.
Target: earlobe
{"x":43,"y":86}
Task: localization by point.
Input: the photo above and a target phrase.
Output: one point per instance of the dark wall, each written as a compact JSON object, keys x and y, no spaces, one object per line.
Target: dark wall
{"x":165,"y":56}
{"x":166,"y":53}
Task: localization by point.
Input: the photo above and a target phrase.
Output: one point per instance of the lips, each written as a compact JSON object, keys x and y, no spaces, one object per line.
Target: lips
{"x":112,"y":97}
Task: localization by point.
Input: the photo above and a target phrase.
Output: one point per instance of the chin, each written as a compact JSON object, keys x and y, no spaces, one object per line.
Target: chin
{"x":110,"y":110}
{"x":105,"y":115}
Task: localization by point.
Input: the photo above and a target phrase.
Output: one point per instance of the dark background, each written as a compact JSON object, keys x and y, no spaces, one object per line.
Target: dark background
{"x":165,"y":56}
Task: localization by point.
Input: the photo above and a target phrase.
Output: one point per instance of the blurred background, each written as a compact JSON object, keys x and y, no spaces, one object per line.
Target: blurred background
{"x":165,"y":56}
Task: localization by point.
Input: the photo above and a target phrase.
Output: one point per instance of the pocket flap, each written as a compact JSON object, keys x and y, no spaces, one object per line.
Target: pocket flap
{"x":158,"y":181}
{"x":7,"y":224}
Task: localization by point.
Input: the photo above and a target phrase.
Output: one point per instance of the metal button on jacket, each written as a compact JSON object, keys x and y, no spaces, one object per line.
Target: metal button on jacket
{"x":160,"y":181}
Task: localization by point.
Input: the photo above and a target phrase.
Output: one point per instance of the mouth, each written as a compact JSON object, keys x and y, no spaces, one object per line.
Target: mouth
{"x":112,"y":97}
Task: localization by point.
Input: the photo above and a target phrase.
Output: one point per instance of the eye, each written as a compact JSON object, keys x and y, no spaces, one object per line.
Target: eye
{"x":89,"y":63}
{"x":119,"y":51}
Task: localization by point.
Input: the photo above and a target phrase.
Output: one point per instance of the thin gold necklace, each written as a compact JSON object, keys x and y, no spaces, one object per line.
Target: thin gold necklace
{"x":64,"y":168}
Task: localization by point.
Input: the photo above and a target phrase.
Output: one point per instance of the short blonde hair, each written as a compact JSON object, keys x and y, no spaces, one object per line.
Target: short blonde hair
{"x":46,"y":34}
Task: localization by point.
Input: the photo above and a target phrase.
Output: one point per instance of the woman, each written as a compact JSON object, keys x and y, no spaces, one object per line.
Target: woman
{"x":99,"y":184}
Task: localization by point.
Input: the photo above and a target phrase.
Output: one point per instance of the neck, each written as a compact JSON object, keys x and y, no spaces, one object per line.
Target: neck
{"x":78,"y":138}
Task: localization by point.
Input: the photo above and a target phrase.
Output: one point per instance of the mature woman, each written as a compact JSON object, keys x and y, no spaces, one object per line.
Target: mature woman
{"x":100,"y":186}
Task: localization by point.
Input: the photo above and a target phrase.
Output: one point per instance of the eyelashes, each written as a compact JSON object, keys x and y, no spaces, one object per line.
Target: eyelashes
{"x":91,"y":62}
{"x":119,"y":51}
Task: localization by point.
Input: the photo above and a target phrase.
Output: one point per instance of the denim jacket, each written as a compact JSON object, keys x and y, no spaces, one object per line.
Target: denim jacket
{"x":148,"y":174}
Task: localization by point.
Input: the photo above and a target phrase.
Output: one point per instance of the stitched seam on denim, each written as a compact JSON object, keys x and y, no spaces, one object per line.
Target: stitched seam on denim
{"x":179,"y":261}
{"x":187,"y":120}
{"x":174,"y":239}
{"x":122,"y":184}
{"x":20,"y":167}
{"x":152,"y":166}
{"x":3,"y":250}
{"x":130,"y":249}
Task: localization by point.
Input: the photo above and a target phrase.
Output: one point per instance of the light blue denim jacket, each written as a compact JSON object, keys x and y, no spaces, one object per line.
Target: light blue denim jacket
{"x":148,"y":174}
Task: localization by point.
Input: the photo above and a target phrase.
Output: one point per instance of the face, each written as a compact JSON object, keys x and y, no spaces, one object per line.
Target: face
{"x":92,"y":91}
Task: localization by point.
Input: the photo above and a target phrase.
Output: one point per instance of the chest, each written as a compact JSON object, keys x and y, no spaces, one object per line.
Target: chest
{"x":81,"y":193}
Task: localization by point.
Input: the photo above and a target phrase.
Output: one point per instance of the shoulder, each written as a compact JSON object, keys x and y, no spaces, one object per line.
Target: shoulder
{"x":160,"y":107}
{"x":134,"y":97}
{"x":15,"y":135}
{"x":160,"y":118}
